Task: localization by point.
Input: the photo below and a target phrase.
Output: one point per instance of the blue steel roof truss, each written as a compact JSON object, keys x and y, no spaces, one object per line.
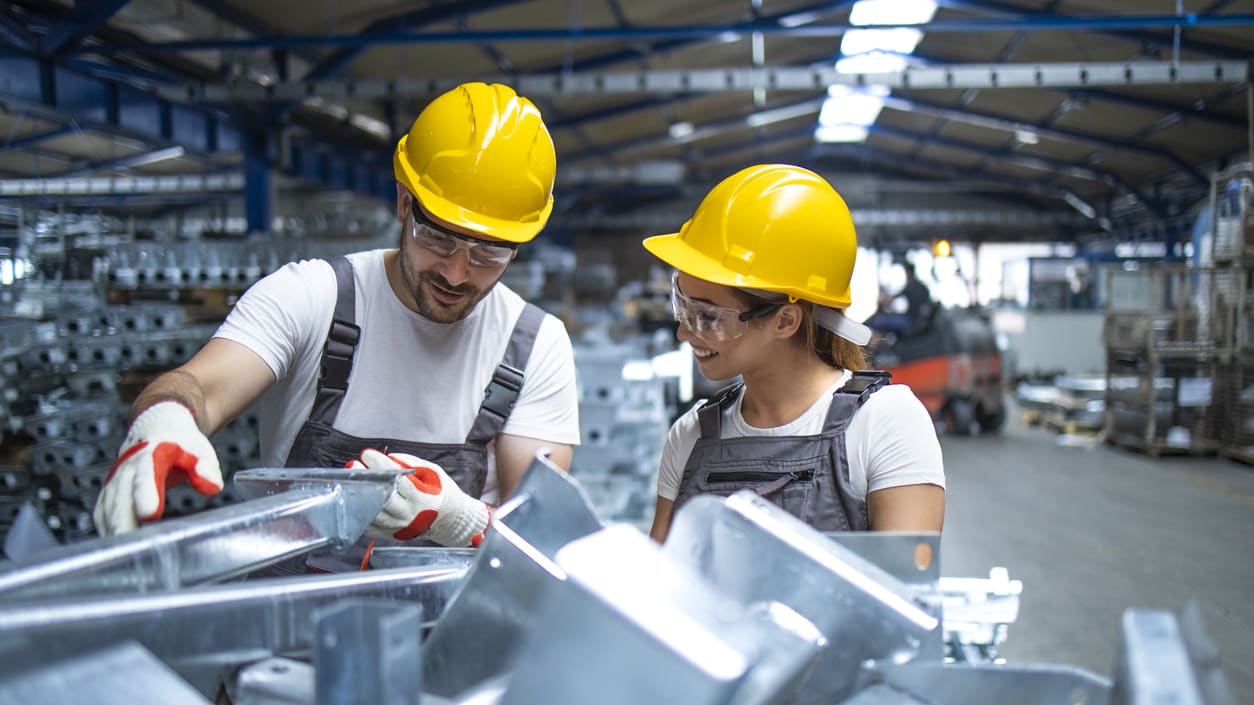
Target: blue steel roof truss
{"x":44,"y":72}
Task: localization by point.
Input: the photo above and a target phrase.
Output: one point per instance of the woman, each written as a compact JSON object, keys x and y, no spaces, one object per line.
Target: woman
{"x":763,"y":270}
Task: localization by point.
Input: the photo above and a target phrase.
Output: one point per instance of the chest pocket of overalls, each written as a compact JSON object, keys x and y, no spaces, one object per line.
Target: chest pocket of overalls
{"x":790,"y":483}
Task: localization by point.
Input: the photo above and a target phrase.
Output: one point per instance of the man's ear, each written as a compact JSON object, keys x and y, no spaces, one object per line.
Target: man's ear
{"x":787,"y":320}
{"x":403,"y":201}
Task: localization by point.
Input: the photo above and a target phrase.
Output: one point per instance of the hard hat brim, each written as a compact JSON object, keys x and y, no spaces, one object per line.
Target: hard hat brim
{"x":671,"y":249}
{"x":449,"y":212}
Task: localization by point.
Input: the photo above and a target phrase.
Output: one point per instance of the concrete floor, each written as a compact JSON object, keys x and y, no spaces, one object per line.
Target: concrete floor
{"x":1094,"y":530}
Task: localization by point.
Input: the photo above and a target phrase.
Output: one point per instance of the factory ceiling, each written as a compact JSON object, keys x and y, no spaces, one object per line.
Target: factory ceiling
{"x":971,"y":119}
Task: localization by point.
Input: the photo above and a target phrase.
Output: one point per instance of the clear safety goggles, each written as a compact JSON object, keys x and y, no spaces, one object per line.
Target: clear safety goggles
{"x":444,"y":242}
{"x":711,"y":322}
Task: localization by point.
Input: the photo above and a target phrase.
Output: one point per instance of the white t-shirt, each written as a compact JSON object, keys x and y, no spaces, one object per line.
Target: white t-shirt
{"x":890,"y":441}
{"x":412,"y":378}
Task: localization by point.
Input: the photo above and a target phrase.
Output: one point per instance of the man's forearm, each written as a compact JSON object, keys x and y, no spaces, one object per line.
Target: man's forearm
{"x":179,"y":386}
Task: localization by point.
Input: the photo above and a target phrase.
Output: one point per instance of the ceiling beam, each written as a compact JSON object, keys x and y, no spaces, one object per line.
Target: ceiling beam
{"x":85,"y":18}
{"x":815,"y":78}
{"x":405,"y":22}
{"x":13,"y":32}
{"x":32,"y":140}
{"x":391,"y":36}
{"x":188,"y":183}
{"x":1008,"y":11}
{"x":996,"y":122}
{"x":127,"y":162}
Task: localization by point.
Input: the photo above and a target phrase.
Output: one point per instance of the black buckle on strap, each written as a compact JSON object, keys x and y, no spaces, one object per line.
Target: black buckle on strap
{"x":337,"y":355}
{"x":503,"y":390}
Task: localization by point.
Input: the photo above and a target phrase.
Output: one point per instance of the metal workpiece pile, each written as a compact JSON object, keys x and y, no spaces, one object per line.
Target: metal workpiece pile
{"x":62,"y":369}
{"x":623,"y":421}
{"x":743,"y":605}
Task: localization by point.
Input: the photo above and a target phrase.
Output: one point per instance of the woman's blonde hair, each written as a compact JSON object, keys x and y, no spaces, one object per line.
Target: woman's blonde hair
{"x":828,"y":347}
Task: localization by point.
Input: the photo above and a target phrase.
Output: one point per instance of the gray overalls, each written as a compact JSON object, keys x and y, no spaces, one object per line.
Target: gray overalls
{"x":319,"y":445}
{"x":806,"y":475}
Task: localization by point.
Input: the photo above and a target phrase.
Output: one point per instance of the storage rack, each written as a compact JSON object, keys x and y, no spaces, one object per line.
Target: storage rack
{"x":1232,"y":193}
{"x":1168,"y":328}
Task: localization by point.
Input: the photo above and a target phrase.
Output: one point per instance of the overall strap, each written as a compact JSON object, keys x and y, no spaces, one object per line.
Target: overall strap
{"x":849,"y":398}
{"x":337,"y":352}
{"x":507,"y":381}
{"x":711,"y":413}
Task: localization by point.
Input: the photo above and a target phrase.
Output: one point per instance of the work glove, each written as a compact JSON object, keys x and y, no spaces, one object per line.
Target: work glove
{"x":163,"y":448}
{"x":426,"y":504}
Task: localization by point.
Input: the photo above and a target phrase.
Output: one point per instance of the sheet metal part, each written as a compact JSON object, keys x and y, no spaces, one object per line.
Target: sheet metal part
{"x":754,"y":551}
{"x":1154,"y":665}
{"x":368,"y":652}
{"x":676,"y":638}
{"x":725,"y":616}
{"x":120,"y":674}
{"x":307,"y":509}
{"x":205,"y":632}
{"x":273,"y":681}
{"x":986,"y":684}
{"x":478,"y":635}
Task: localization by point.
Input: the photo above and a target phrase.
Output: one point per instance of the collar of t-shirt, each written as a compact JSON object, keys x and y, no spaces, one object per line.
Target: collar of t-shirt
{"x":792,"y":428}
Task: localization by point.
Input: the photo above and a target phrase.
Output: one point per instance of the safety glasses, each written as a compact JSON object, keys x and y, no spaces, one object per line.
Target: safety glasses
{"x":711,"y":322}
{"x":444,"y":242}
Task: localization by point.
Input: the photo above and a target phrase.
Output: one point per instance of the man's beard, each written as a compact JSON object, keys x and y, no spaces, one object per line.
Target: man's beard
{"x":428,"y":306}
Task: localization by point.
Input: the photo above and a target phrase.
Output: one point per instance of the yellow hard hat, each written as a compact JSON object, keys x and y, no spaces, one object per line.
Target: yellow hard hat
{"x":479,"y":156}
{"x":770,"y":227}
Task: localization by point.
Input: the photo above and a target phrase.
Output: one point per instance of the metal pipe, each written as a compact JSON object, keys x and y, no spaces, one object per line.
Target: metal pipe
{"x":313,"y":513}
{"x":224,"y":624}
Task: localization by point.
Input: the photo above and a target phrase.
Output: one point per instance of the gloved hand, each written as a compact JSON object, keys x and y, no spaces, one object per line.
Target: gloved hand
{"x":426,"y":504}
{"x":164,"y":448}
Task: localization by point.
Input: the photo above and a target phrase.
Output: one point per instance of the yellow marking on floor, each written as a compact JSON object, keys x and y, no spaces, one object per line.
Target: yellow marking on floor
{"x":1220,"y":487}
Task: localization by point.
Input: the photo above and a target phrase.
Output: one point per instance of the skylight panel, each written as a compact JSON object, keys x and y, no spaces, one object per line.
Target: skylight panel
{"x":840,"y":133}
{"x":847,"y":112}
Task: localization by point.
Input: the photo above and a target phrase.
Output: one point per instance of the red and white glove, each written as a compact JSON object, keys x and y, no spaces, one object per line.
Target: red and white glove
{"x":426,"y":504}
{"x":164,"y":448}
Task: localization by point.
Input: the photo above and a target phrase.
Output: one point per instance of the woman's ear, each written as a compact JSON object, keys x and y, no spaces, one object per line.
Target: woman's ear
{"x":787,"y":320}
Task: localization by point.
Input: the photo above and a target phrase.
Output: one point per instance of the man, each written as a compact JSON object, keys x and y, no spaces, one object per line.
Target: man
{"x":416,"y":351}
{"x":919,"y":308}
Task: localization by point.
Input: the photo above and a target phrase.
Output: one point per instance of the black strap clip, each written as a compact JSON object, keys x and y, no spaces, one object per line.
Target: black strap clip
{"x":502,"y":392}
{"x":337,"y":357}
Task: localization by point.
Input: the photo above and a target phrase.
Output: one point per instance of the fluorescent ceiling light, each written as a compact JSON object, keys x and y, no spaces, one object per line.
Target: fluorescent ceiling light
{"x":873,"y":62}
{"x":840,"y":133}
{"x":1083,"y":207}
{"x":801,"y":18}
{"x":870,"y":12}
{"x":157,"y":155}
{"x":680,"y":130}
{"x":1027,"y":137}
{"x":378,"y":128}
{"x":788,"y":112}
{"x":728,"y":37}
{"x":897,"y":41}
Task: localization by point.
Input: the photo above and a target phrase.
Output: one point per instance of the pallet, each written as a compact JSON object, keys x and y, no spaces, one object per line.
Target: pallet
{"x":1241,"y":454}
{"x":1030,"y":417}
{"x":1057,"y":423}
{"x":1156,"y":448}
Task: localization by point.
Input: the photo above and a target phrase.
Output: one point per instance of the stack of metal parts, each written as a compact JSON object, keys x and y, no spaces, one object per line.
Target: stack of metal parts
{"x":210,"y":264}
{"x":623,"y":419}
{"x":64,"y":405}
{"x":1078,"y":404}
{"x":743,"y":605}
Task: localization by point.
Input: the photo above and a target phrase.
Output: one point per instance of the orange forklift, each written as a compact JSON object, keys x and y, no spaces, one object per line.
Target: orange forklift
{"x":953,"y":365}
